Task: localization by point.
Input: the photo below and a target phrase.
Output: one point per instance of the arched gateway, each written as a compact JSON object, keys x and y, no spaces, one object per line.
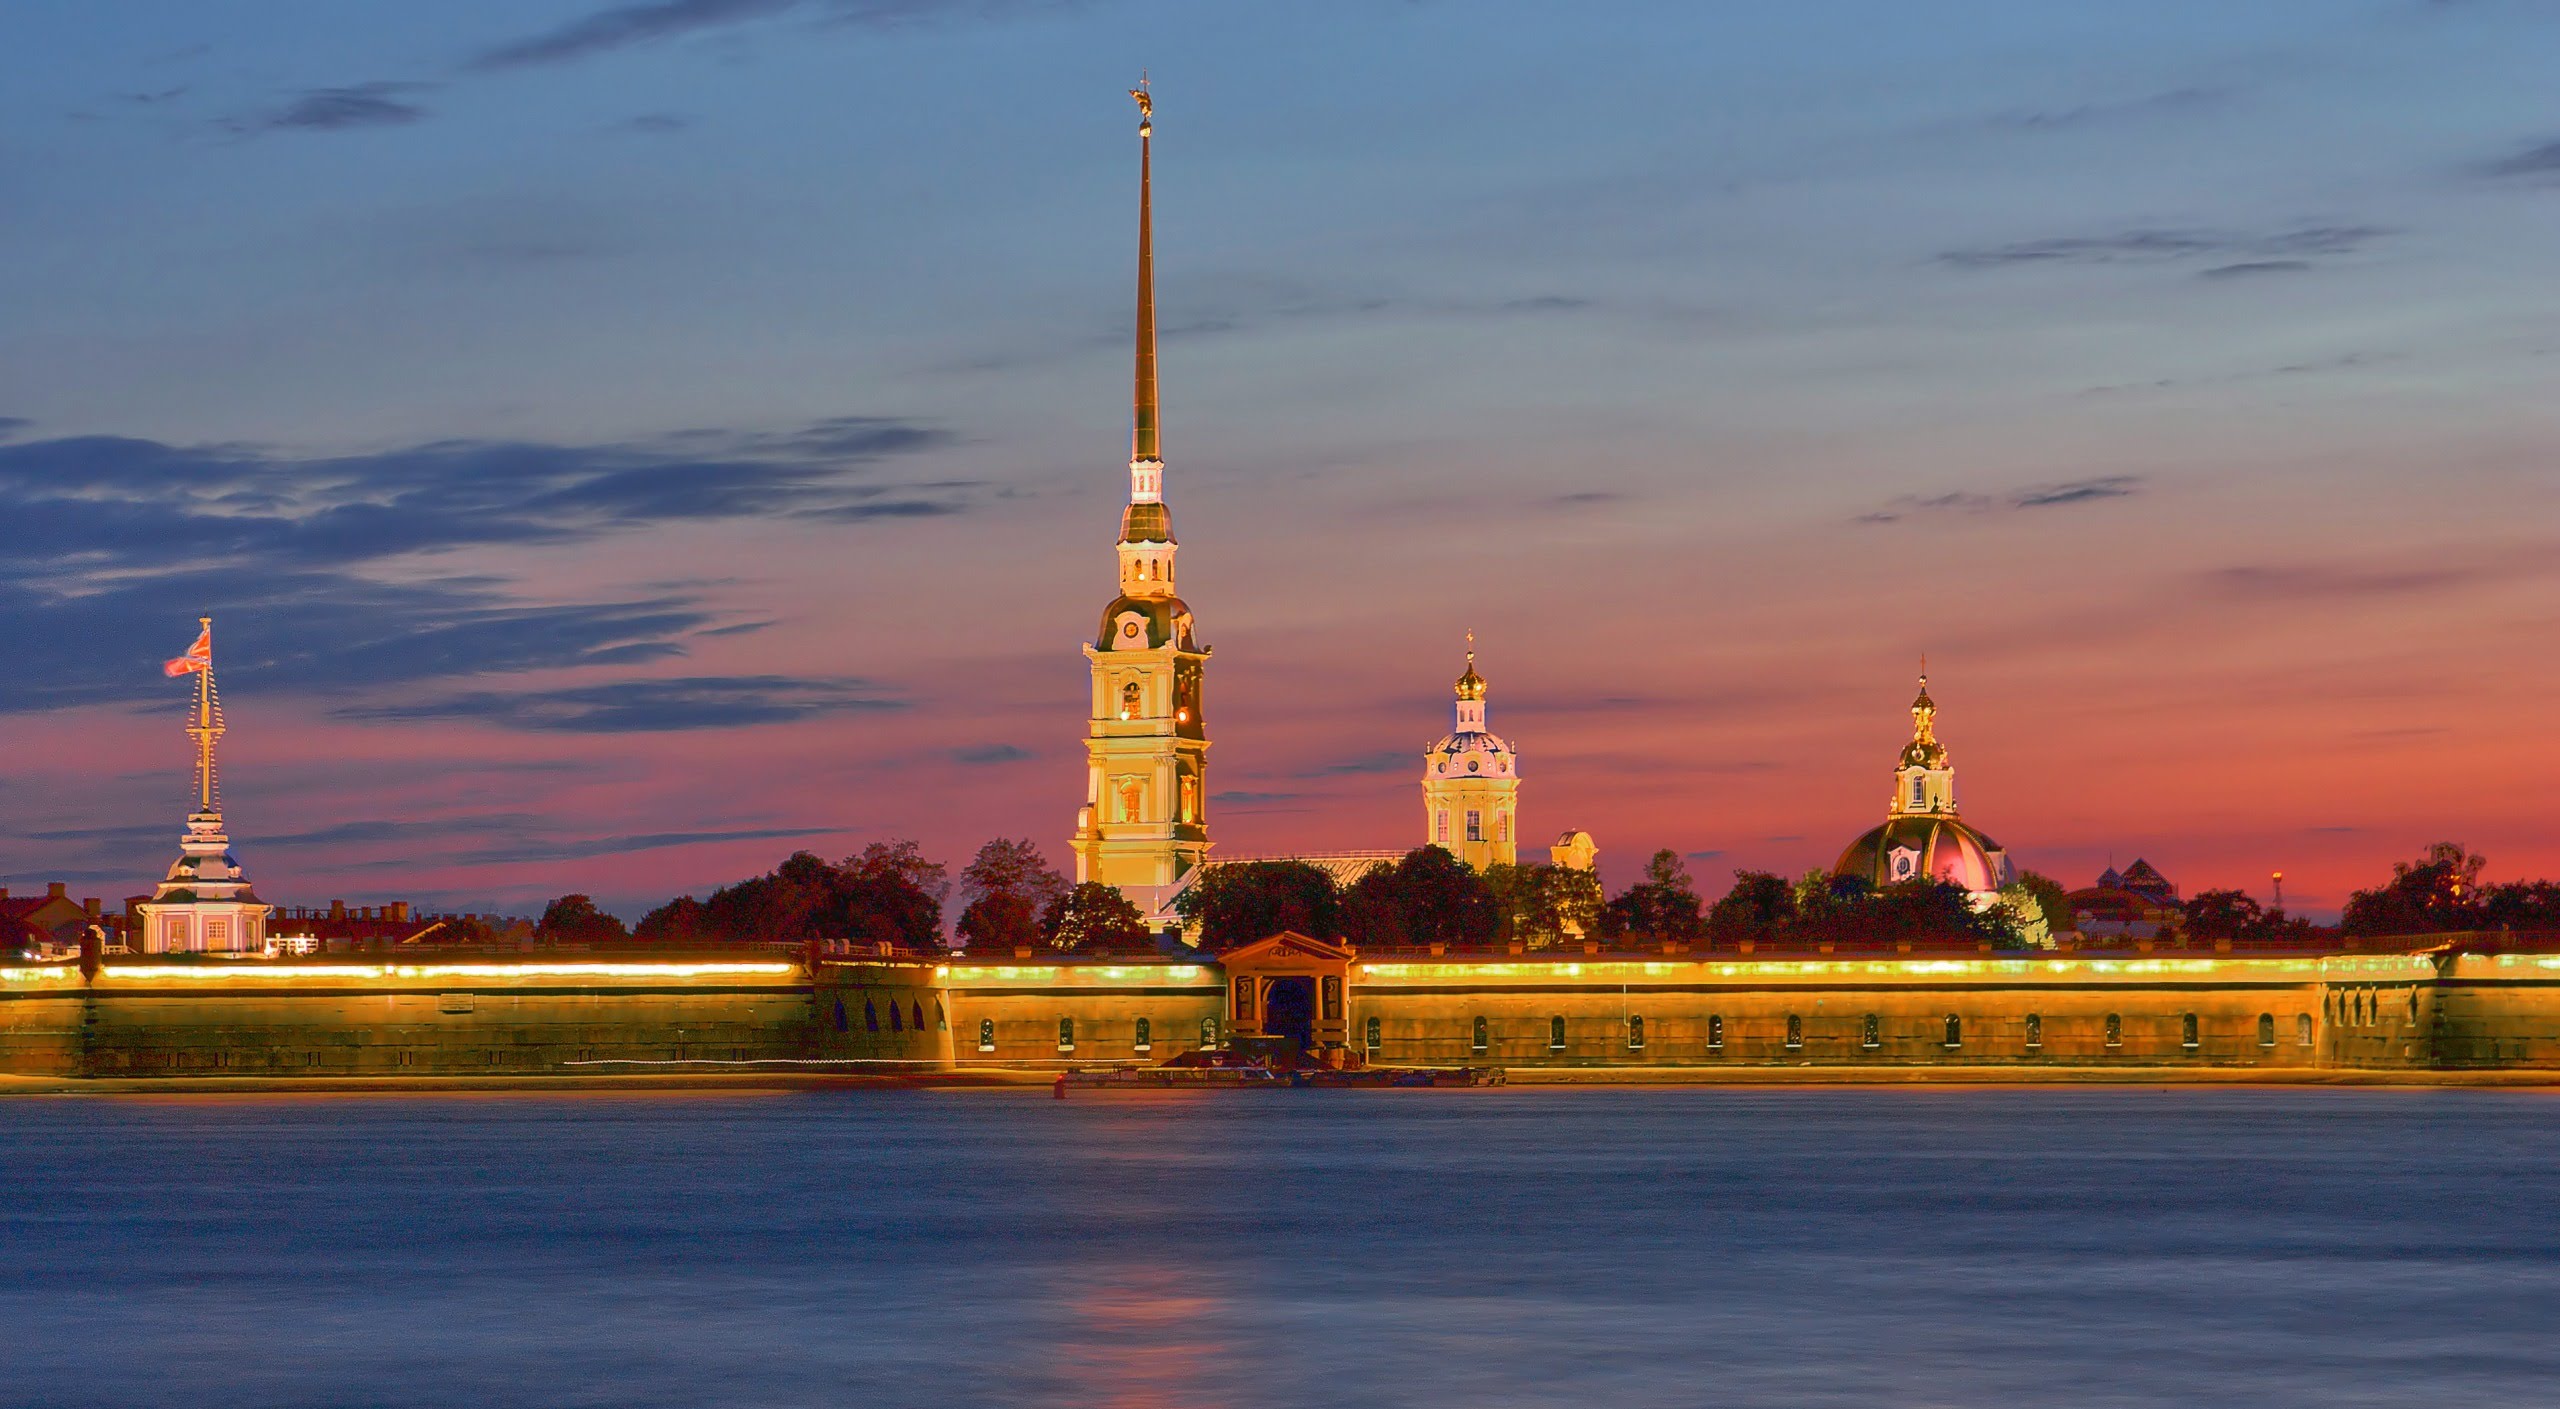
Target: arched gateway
{"x":1290,"y":987}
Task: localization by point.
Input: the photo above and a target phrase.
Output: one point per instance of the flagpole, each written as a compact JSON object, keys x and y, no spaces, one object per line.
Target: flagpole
{"x":204,"y":729}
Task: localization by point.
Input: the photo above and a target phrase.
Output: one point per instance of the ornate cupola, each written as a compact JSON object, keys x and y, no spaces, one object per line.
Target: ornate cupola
{"x":1924,"y":782}
{"x":204,"y":904}
{"x":1471,"y":783}
{"x":1144,"y":825}
{"x":1922,"y":838}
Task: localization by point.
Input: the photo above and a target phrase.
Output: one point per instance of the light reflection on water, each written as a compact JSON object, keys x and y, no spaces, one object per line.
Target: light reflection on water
{"x":1476,"y":1248}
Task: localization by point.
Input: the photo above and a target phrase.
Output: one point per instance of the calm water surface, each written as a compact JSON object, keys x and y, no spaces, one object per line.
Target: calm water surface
{"x":1470,"y":1248}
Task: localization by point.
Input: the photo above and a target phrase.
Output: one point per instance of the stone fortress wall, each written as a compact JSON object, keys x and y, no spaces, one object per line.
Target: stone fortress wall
{"x":2414,"y":1010}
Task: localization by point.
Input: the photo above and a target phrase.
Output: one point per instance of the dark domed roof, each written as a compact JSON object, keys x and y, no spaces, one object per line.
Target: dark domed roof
{"x":1166,"y":618}
{"x":1941,"y":847}
{"x":1146,"y":523}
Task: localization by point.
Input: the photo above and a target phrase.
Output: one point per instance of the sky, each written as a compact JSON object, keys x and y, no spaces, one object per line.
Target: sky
{"x":623,"y":444}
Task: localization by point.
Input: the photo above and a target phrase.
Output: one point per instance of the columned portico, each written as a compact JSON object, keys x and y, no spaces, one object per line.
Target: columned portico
{"x":1290,"y":985}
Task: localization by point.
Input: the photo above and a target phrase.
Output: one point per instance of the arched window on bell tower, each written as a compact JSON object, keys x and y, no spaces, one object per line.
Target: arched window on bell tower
{"x":1129,"y":700}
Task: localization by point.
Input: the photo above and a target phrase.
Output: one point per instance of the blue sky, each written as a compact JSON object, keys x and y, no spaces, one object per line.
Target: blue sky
{"x":713,"y":408}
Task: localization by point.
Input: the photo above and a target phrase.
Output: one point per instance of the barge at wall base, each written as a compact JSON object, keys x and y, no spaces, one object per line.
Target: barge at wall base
{"x":2441,"y":1005}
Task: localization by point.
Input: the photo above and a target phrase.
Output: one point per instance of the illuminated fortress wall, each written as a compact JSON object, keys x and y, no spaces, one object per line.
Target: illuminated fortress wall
{"x":428,"y":1019}
{"x":2157,"y":1012}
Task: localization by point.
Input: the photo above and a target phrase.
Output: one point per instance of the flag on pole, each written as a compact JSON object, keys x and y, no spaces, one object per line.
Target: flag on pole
{"x":198,"y":657}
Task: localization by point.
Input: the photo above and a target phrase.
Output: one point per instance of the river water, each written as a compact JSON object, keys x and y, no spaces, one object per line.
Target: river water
{"x":1712,"y":1247}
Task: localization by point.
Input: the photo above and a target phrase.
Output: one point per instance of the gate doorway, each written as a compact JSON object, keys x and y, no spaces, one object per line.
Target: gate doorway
{"x":1289,"y":1010}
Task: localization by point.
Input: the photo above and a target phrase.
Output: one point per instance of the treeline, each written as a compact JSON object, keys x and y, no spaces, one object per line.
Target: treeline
{"x":1012,"y":900}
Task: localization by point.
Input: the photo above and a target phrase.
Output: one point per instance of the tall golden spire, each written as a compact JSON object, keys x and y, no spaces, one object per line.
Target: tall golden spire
{"x":204,"y":725}
{"x":1143,"y":442}
{"x":1471,"y":685}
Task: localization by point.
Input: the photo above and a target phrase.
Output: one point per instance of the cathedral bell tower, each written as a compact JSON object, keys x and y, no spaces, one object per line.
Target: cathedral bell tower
{"x":1144,"y":825}
{"x":1471,"y":783}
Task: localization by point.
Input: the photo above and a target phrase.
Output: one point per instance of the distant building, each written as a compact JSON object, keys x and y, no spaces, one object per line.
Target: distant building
{"x":1922,"y":837}
{"x":205,"y":904}
{"x":2135,"y":903}
{"x":51,"y":923}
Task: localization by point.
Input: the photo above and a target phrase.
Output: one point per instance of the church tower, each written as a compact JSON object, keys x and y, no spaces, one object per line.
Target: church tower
{"x":1471,"y":784}
{"x":204,"y":904}
{"x":1144,"y":825}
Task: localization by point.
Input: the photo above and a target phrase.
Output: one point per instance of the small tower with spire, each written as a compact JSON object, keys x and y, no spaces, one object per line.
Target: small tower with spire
{"x":204,"y":904}
{"x":1471,"y":783}
{"x":1924,"y":782}
{"x":1144,"y":824}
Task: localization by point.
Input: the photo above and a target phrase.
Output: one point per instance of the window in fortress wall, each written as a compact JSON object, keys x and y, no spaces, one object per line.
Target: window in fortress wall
{"x":1146,"y":1036}
{"x":1635,"y":1032}
{"x":1870,"y":1032}
{"x":2302,"y":1030}
{"x":1955,"y":1032}
{"x":2266,"y":1029}
{"x":986,"y":1034}
{"x":1795,"y":1033}
{"x":2115,"y":1029}
{"x":2035,"y":1031}
{"x":1555,"y":1034}
{"x":1483,"y":1035}
{"x":2187,"y":1032}
{"x":1066,"y":1034}
{"x":1715,"y":1033}
{"x":1369,"y":1034}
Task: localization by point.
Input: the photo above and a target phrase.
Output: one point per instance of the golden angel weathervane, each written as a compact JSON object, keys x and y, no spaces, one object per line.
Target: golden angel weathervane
{"x":1146,"y":104}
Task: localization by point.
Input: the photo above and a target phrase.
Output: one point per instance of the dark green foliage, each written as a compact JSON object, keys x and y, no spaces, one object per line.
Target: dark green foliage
{"x":1009,"y":886}
{"x":1250,"y":900}
{"x":574,"y":919}
{"x":889,"y":894}
{"x":1759,"y":908}
{"x":1540,"y":905}
{"x":1662,"y":906}
{"x":2441,"y":892}
{"x":1427,"y":896}
{"x":2050,"y":894}
{"x":1095,"y":919}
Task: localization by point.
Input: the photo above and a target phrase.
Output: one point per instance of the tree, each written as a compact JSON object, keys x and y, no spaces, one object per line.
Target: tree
{"x":893,"y":896}
{"x":1543,"y":904}
{"x":1427,"y":896}
{"x":574,"y":919}
{"x":2436,"y":893}
{"x":1095,"y":918}
{"x":1008,"y":888}
{"x":2521,"y":905}
{"x":2222,"y":914}
{"x":681,"y":921}
{"x":1760,"y":905}
{"x":2052,"y":900}
{"x":1245,"y":901}
{"x":1664,"y":905}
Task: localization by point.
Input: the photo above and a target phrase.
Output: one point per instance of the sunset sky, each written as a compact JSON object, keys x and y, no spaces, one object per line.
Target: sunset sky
{"x":622,"y":445}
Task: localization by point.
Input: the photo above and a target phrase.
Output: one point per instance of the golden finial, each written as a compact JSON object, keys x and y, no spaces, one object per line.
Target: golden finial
{"x":1471,"y":685}
{"x":1146,"y":103}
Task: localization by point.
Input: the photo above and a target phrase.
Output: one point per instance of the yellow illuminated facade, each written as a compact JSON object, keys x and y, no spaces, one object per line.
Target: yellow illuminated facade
{"x":1144,"y":825}
{"x":1471,"y":784}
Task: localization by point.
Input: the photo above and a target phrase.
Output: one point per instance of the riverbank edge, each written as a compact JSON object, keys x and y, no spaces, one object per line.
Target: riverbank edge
{"x":980,"y":1078}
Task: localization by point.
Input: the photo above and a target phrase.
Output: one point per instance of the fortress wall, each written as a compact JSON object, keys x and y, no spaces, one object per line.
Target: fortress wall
{"x":1426,"y":1012}
{"x":890,"y":1011}
{"x":2496,"y":1011}
{"x":1020,"y":1005}
{"x":40,"y":1011}
{"x":438,"y":1019}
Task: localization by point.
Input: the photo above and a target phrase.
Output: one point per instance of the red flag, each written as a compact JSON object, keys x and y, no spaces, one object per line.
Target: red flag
{"x":198,"y":657}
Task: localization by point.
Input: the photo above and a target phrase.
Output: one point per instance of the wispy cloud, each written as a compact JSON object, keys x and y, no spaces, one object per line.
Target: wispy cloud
{"x":11,"y":425}
{"x":2314,"y":581}
{"x":2248,"y":268}
{"x":2041,"y":496}
{"x":2078,"y":115}
{"x":988,"y":755}
{"x":587,"y":848}
{"x":2537,"y":162}
{"x":644,"y":706}
{"x":2159,"y":246}
{"x":381,"y":104}
{"x":622,"y":27}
